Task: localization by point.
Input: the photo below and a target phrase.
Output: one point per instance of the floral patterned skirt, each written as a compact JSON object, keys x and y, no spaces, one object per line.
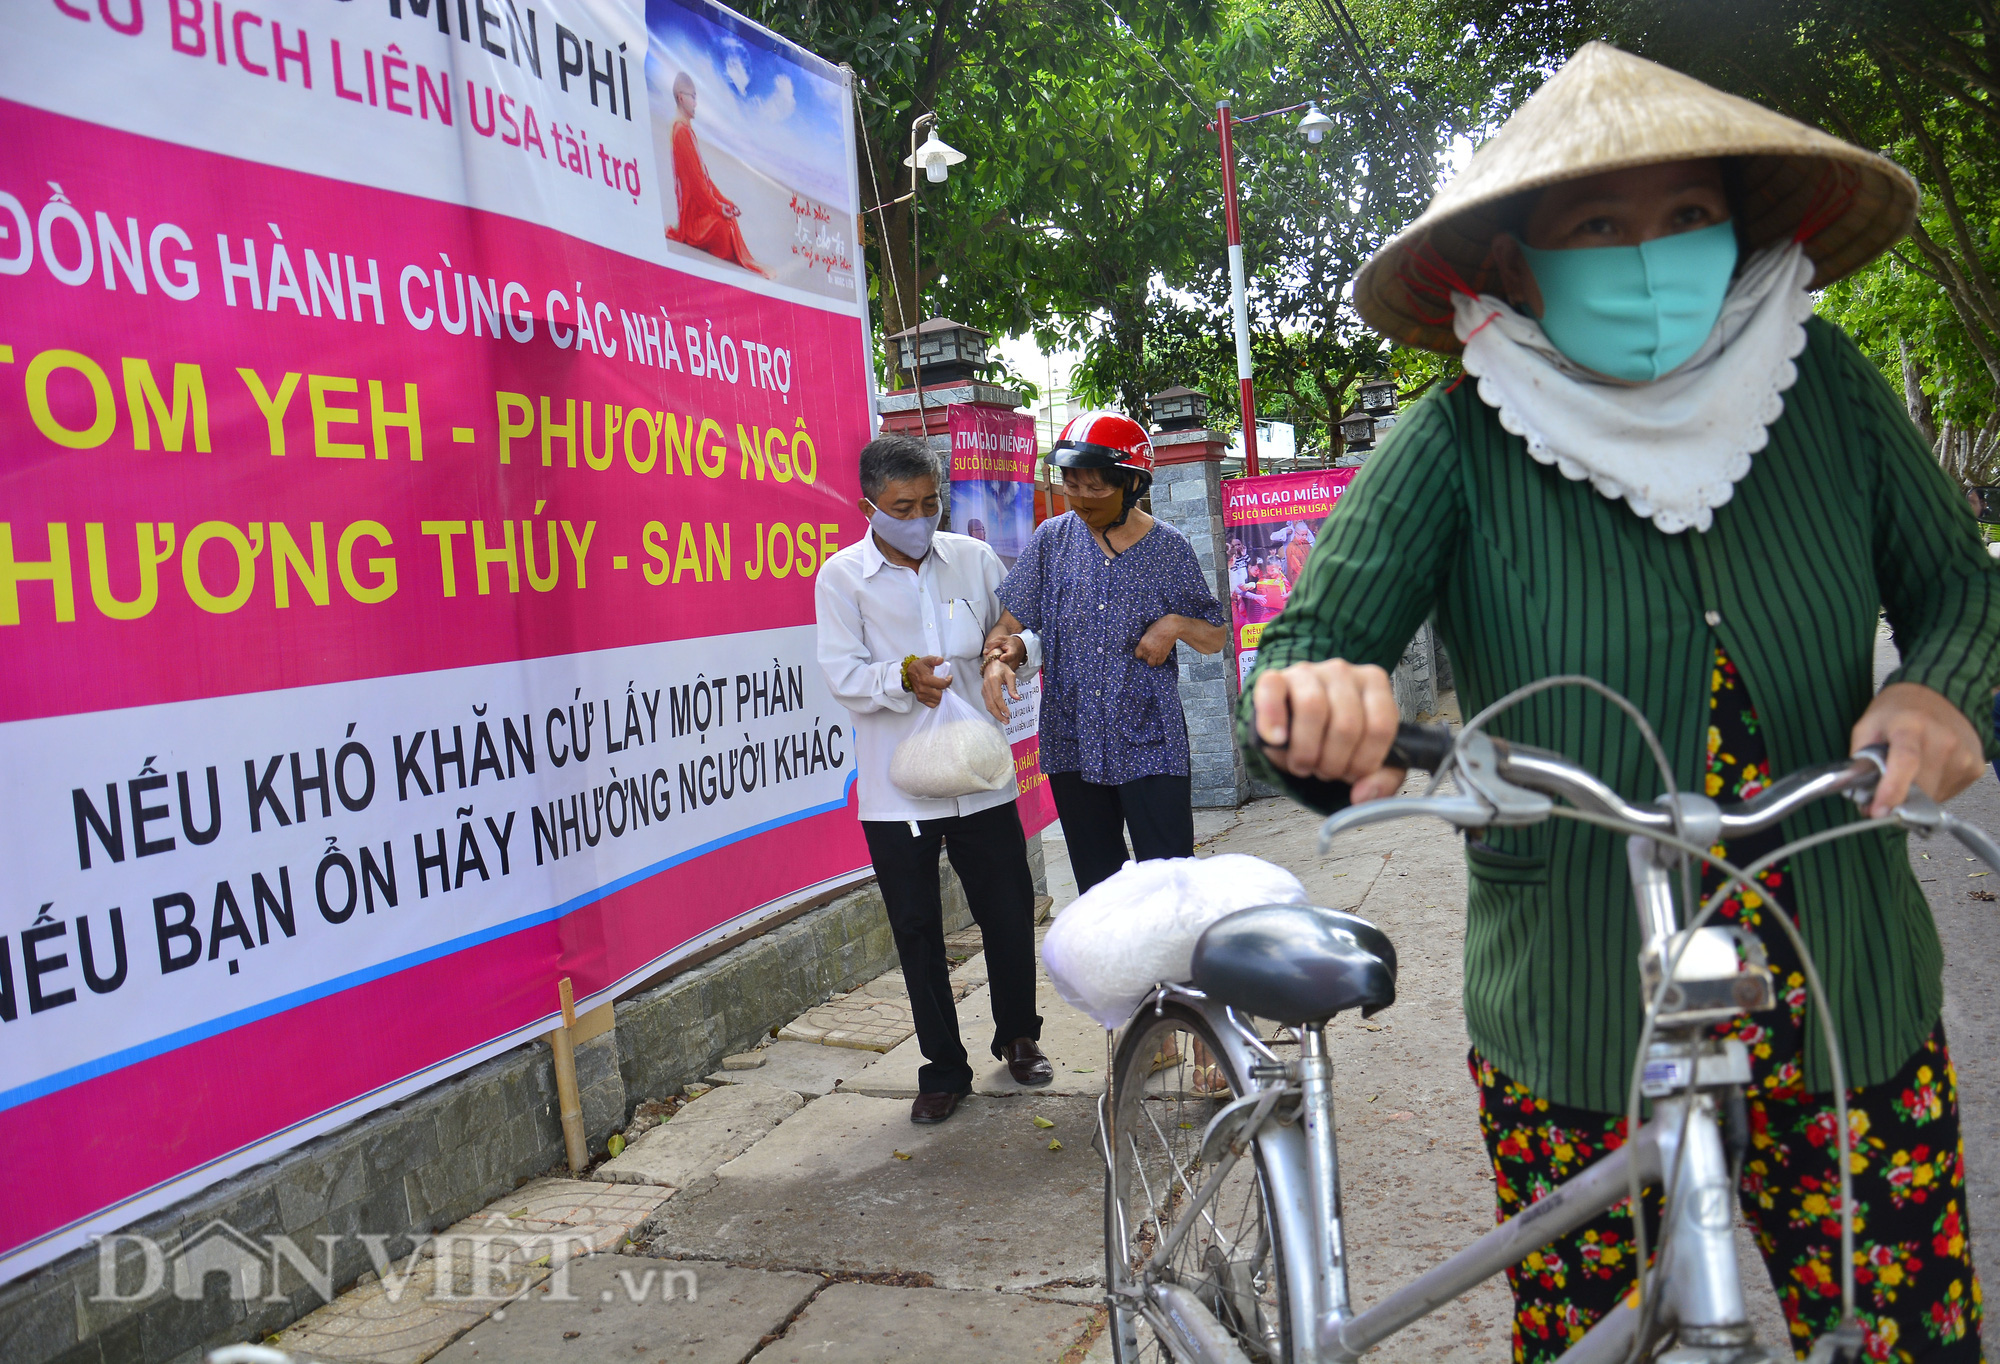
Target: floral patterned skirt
{"x":1915,"y":1290}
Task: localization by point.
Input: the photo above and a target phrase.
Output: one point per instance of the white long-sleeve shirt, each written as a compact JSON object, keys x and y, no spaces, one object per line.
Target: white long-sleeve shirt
{"x":872,"y":615}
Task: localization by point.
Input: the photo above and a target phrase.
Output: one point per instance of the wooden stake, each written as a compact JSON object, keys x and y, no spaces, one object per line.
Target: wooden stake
{"x":567,"y":1097}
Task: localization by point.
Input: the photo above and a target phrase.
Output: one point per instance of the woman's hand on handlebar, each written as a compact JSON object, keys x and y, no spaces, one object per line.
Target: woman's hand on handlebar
{"x":1334,"y":721}
{"x":1931,"y":744}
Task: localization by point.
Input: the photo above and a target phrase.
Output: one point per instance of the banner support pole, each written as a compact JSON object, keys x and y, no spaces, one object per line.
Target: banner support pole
{"x":562,"y":1043}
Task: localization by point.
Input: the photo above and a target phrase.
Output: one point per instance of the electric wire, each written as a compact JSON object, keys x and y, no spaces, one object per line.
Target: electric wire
{"x":1357,"y":48}
{"x":1140,"y":42}
{"x":881,"y":209}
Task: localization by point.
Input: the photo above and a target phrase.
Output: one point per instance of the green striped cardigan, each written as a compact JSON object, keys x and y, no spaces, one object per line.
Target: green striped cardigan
{"x":1528,"y":574}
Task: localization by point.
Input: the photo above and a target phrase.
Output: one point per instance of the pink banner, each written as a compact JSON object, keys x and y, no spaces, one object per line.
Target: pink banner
{"x":1036,"y":803}
{"x":993,"y":453}
{"x":990,"y":444}
{"x":406,"y":572}
{"x":1271,"y":524}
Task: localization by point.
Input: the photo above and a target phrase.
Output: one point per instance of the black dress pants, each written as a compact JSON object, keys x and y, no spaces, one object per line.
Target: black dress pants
{"x":1159,"y":811}
{"x":990,"y":855}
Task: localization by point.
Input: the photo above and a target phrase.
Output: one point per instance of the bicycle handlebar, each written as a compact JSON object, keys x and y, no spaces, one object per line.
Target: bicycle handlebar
{"x":1425,"y":746}
{"x":1507,"y":783}
{"x":1552,"y":774}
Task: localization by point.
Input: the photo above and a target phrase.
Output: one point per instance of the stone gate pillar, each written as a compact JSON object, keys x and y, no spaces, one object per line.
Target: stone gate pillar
{"x":1187,"y":495}
{"x":948,"y":356}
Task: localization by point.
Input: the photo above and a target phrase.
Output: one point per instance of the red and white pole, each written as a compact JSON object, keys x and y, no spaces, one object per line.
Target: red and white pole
{"x":1238,"y":292}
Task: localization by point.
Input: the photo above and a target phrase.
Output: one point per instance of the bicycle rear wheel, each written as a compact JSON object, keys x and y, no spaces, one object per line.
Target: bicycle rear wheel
{"x":1231,"y":1259}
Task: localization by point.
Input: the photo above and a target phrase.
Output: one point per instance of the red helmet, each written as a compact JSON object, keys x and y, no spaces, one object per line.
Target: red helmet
{"x":1102,"y":440}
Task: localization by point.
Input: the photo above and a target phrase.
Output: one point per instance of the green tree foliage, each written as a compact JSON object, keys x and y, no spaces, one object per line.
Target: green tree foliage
{"x":1089,"y":212}
{"x":1916,"y":79}
{"x":1400,"y":96}
{"x":1071,"y":192}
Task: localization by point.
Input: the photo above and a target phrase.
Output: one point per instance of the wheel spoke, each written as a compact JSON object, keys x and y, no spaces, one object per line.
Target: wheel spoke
{"x":1228,"y":1259}
{"x":1180,"y":1174}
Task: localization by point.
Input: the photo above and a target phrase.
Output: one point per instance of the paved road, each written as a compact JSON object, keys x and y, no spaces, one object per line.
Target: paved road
{"x":1970,"y":930}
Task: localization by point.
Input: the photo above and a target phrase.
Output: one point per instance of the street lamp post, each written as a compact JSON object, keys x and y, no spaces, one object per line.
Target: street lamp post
{"x":934,"y":158}
{"x":1239,"y":296}
{"x":1314,"y":126}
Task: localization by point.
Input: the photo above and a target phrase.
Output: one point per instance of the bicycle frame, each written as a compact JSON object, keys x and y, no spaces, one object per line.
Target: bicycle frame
{"x":1301,"y":1174}
{"x":1693,"y":978}
{"x":1682,"y":1148}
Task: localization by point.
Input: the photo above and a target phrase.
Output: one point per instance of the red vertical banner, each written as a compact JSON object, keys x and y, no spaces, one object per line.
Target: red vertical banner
{"x":1270,"y":525}
{"x":993,"y":456}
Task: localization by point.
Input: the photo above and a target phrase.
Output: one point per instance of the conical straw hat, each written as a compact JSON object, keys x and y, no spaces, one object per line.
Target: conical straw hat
{"x":1607,"y":110}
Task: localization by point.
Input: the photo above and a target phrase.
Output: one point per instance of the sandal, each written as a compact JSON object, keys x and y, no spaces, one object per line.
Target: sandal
{"x":1208,"y":1082}
{"x":1168,"y":1056}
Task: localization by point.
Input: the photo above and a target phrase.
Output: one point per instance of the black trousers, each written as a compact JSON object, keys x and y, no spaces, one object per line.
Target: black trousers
{"x":990,"y":855}
{"x":1159,"y":811}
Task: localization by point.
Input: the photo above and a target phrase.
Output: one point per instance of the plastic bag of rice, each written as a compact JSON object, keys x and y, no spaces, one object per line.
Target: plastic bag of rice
{"x":954,"y":751}
{"x":1126,"y":934}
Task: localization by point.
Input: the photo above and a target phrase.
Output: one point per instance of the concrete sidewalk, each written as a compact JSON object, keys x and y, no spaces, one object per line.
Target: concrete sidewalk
{"x":831,"y":1228}
{"x":797,"y":1194}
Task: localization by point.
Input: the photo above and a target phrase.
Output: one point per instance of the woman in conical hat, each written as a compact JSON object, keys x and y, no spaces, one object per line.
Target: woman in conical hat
{"x":1661,"y":470}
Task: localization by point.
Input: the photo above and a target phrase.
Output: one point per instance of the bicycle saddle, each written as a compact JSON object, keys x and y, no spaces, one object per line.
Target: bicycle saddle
{"x":1296,"y":963}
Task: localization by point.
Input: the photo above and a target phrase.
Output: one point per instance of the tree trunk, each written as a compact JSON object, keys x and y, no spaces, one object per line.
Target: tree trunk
{"x":1128,"y":333}
{"x":1983,"y":449}
{"x":1913,"y":394}
{"x":889,"y":228}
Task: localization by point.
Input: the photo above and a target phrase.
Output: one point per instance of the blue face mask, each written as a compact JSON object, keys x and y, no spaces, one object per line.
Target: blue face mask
{"x":913,"y":537}
{"x":1635,"y":312}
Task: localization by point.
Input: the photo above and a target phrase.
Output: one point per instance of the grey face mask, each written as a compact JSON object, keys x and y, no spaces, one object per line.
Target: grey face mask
{"x":912,"y":537}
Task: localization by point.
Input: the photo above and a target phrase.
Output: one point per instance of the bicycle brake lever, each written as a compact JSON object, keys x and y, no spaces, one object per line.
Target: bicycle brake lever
{"x":1466,"y":811}
{"x":1479,"y":770}
{"x":1919,"y":812}
{"x":1487,"y":799}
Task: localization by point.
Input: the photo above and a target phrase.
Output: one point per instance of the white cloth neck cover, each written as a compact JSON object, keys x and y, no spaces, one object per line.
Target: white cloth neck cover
{"x":1674,"y":449}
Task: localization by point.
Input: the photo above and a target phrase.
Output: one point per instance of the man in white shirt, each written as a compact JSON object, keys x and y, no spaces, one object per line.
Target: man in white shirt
{"x":903,"y":615}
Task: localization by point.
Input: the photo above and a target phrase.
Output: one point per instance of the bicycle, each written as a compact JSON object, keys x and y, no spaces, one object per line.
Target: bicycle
{"x":1223,"y":1233}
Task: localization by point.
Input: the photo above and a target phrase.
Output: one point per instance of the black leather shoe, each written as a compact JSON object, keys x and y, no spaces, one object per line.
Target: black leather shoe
{"x":933,"y":1108}
{"x":1026,"y":1063}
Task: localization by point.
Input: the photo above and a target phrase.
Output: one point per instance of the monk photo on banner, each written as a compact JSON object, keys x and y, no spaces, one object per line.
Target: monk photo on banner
{"x":707,"y":218}
{"x":757,"y":181}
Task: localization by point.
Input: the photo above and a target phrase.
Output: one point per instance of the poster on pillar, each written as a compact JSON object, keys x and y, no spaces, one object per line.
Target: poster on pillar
{"x":1271,"y":524}
{"x":993,"y":454}
{"x":419,"y":430}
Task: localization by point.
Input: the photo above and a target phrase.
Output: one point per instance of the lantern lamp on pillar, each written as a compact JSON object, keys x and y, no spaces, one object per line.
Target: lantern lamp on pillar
{"x":1178,"y":409}
{"x":1357,"y":431}
{"x":1378,"y":395}
{"x":940,"y":350}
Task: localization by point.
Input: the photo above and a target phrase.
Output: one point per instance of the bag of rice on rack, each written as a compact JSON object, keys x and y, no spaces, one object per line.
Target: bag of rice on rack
{"x":1137,"y":929}
{"x":954,"y":751}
